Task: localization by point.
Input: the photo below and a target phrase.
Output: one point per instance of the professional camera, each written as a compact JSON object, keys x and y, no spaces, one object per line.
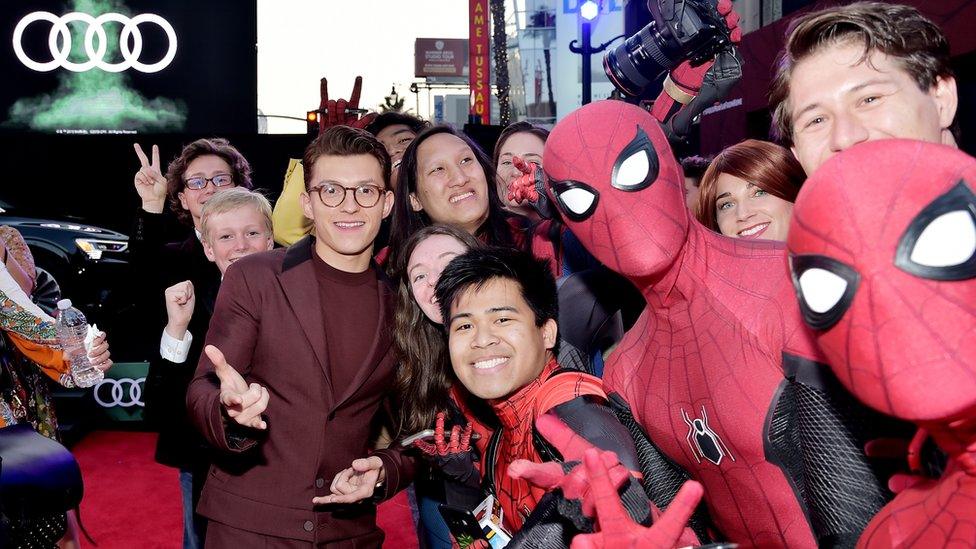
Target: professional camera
{"x":681,"y":30}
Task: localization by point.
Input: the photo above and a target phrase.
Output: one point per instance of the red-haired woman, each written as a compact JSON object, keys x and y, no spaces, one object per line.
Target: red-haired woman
{"x":749,"y":189}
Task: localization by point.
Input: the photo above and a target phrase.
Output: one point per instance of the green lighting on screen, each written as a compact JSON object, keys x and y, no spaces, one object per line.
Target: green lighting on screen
{"x":96,"y":99}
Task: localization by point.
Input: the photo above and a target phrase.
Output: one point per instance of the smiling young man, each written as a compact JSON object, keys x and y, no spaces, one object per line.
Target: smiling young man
{"x":395,"y":130}
{"x":299,"y":362}
{"x":500,"y":308}
{"x":861,"y":72}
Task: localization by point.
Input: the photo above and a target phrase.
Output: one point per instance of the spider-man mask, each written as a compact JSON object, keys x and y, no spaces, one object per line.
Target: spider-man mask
{"x":882,"y":256}
{"x":614,"y":179}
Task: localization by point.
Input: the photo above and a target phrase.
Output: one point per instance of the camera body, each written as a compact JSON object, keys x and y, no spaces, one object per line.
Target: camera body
{"x":681,"y":30}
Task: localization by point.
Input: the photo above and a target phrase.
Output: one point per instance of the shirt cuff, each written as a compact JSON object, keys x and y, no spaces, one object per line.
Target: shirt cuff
{"x":175,"y":350}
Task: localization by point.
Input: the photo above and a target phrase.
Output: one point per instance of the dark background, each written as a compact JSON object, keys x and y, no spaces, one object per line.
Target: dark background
{"x":89,"y":177}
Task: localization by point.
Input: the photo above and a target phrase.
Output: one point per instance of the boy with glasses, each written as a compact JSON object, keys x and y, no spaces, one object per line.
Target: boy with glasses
{"x":298,"y":363}
{"x":395,"y":130}
{"x":202,"y":168}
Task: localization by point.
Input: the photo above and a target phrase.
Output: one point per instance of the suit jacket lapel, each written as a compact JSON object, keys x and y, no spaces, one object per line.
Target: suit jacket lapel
{"x":381,"y":342}
{"x":302,"y":291}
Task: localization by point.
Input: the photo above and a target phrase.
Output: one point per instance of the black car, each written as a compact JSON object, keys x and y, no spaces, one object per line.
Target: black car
{"x":90,"y":264}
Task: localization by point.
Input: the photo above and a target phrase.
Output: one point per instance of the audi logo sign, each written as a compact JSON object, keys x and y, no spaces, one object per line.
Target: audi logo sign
{"x":94,"y":49}
{"x":125,"y":392}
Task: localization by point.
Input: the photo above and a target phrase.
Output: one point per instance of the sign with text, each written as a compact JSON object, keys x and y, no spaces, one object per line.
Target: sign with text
{"x":480,"y":78}
{"x":440,"y":57}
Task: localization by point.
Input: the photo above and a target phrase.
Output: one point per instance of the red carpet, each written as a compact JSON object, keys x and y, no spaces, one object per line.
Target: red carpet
{"x":132,"y":501}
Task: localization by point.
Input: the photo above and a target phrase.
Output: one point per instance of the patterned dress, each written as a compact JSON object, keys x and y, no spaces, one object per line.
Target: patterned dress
{"x":29,"y":360}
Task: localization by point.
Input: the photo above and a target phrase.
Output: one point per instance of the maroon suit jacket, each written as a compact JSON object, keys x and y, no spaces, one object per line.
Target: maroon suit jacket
{"x":268,"y":322}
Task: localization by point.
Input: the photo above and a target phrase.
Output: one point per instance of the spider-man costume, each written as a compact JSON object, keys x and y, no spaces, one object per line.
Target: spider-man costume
{"x":518,"y":440}
{"x":540,"y":517}
{"x":719,"y":370}
{"x":883,"y":255}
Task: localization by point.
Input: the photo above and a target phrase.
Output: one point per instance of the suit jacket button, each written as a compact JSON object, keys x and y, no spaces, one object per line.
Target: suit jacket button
{"x":319,"y":482}
{"x":308,"y":526}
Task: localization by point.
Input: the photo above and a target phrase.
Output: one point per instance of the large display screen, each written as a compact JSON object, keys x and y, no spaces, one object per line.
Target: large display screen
{"x":128,"y":66}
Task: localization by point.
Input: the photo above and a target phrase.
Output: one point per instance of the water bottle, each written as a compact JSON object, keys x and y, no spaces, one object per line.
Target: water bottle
{"x":72,"y":329}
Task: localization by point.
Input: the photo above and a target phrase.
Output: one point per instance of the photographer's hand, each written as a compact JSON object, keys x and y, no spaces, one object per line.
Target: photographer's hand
{"x":723,"y":7}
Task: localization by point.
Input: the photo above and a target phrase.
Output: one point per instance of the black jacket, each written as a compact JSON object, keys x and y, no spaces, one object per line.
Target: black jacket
{"x":162,"y":265}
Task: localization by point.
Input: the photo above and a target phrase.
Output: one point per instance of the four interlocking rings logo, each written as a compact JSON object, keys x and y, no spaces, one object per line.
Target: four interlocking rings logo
{"x":94,"y":50}
{"x":124,"y":392}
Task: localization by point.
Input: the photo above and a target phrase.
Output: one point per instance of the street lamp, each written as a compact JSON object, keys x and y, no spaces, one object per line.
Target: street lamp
{"x":416,"y":93}
{"x":589,"y":11}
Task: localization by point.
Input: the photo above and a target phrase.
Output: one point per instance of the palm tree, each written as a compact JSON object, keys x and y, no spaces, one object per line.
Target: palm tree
{"x":500,"y":43}
{"x":392,"y":102}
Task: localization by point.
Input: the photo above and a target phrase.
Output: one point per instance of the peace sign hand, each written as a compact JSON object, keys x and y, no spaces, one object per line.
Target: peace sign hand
{"x":334,"y":110}
{"x":244,"y":403}
{"x":149,"y":181}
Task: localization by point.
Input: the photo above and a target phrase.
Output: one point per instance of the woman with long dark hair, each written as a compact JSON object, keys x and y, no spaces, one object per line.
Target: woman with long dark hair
{"x":424,"y":382}
{"x":446,"y":178}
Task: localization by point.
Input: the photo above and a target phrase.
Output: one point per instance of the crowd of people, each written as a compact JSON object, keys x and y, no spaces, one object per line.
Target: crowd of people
{"x":602,"y":344}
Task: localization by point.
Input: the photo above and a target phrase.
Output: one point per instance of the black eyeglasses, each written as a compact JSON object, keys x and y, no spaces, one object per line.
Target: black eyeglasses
{"x":219,"y":180}
{"x":332,"y":195}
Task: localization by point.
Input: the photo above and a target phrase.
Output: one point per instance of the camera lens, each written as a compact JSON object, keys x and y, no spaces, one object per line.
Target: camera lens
{"x":635,"y":64}
{"x":696,"y":32}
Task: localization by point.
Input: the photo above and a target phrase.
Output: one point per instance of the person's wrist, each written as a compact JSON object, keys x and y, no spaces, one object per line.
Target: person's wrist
{"x":677,"y":92}
{"x":153,"y":206}
{"x":176,"y":330}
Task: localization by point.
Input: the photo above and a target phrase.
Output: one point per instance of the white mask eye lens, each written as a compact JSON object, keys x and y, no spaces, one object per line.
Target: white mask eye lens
{"x":577,"y":200}
{"x":948,"y":240}
{"x":822,"y":289}
{"x":633,"y":171}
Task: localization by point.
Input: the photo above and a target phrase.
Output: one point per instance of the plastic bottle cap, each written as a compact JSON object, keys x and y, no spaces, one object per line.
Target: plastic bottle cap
{"x":64,"y":304}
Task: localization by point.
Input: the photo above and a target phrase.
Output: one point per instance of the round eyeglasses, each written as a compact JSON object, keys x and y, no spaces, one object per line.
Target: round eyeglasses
{"x":219,"y":180}
{"x":332,"y":194}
